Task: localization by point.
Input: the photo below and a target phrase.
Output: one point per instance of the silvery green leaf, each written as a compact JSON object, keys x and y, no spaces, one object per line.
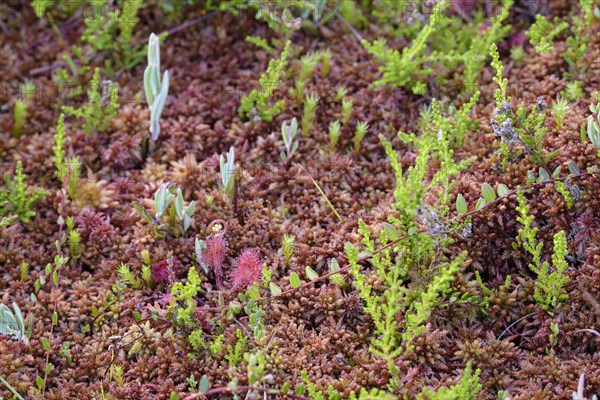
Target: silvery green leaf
{"x":284,"y":134}
{"x":187,"y":221}
{"x":159,"y":198}
{"x":152,"y":48}
{"x":148,"y":87}
{"x":164,"y":92}
{"x":179,"y":207}
{"x":222,"y":168}
{"x":19,"y":319}
{"x":190,"y":209}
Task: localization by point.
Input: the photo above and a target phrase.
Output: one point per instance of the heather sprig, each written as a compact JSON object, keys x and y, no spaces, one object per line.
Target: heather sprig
{"x":409,"y":67}
{"x":156,"y":89}
{"x":578,"y":41}
{"x":467,"y":388}
{"x":102,"y":105}
{"x":500,"y":94}
{"x":420,"y":311}
{"x":19,"y":199}
{"x":256,"y":104}
{"x":185,"y":293}
{"x":542,"y":33}
{"x":549,"y":285}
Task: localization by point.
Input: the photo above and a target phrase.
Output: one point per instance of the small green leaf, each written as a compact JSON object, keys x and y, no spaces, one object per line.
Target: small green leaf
{"x":275,"y":290}
{"x":488,"y":192}
{"x":502,"y":190}
{"x":544,"y":175}
{"x":204,"y":384}
{"x":480,"y":204}
{"x":54,"y":318}
{"x":49,"y":367}
{"x":311,"y":273}
{"x":45,"y":343}
{"x":574,"y":168}
{"x":556,"y":172}
{"x":461,"y":204}
{"x":390,"y":231}
{"x":295,"y":280}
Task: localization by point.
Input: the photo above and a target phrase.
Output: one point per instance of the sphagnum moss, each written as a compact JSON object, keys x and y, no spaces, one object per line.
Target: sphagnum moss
{"x":468,"y":321}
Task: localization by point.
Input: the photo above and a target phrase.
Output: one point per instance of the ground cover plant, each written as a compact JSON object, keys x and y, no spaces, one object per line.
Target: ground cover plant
{"x":308,"y":199}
